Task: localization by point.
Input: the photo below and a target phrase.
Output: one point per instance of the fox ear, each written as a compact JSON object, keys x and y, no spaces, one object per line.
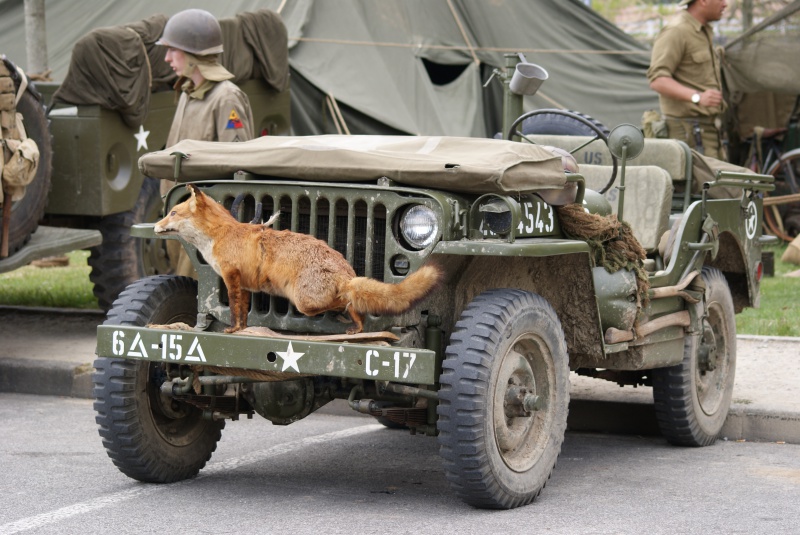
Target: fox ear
{"x":197,"y":195}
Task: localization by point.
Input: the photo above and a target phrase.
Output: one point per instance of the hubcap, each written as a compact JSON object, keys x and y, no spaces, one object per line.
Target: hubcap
{"x":713,"y":366}
{"x":521,"y":398}
{"x":178,"y":423}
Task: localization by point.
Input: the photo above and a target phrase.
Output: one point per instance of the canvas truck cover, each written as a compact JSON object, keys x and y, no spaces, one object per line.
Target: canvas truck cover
{"x":465,"y":165}
{"x":117,"y":67}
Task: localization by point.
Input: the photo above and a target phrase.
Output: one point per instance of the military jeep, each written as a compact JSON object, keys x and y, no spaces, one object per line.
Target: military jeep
{"x":483,"y":362}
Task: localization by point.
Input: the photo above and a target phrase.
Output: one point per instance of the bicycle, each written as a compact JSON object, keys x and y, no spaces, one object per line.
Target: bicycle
{"x":776,"y":152}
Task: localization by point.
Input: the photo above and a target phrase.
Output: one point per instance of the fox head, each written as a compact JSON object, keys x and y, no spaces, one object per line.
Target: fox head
{"x":186,"y":219}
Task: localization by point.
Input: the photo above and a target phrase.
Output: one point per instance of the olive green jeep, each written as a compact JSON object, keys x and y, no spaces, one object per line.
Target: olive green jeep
{"x":483,"y":362}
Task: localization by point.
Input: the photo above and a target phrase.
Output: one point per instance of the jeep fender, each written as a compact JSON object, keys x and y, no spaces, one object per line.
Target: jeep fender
{"x":558,"y":270}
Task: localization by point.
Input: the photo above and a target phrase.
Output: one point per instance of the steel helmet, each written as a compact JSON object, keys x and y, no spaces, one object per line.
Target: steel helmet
{"x":193,"y":30}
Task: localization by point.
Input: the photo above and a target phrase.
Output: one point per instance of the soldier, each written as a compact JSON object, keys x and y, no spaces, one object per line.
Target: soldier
{"x":210,"y":108}
{"x":685,"y":72}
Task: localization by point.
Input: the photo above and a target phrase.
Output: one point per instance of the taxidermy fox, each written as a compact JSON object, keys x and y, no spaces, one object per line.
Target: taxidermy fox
{"x":299,"y":267}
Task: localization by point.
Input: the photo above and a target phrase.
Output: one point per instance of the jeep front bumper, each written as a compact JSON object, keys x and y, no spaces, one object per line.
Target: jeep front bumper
{"x":336,"y":359}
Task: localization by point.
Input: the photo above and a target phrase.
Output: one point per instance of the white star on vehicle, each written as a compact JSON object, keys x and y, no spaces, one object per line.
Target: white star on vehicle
{"x":289,"y":358}
{"x":141,"y":138}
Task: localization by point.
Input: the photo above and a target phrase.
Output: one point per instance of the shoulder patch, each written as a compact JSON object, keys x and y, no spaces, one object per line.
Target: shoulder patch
{"x":234,"y":121}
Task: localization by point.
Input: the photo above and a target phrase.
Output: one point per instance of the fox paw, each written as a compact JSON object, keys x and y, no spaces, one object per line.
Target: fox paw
{"x":354,"y":330}
{"x":232,"y":329}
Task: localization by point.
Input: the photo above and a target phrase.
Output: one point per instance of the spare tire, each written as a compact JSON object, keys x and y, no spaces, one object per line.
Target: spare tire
{"x":560,"y":122}
{"x":26,"y":213}
{"x":555,"y":124}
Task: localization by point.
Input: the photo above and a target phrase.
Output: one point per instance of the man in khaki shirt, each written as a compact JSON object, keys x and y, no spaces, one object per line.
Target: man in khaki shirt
{"x":685,"y":72}
{"x":211,"y":107}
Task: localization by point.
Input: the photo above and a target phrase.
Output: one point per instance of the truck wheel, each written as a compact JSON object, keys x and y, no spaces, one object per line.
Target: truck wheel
{"x":556,"y":123}
{"x":504,"y":399}
{"x":692,"y":398}
{"x":149,"y":436}
{"x":122,"y":259}
{"x":26,"y":213}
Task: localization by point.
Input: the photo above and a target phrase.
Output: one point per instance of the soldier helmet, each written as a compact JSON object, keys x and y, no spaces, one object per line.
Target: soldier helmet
{"x":193,"y":30}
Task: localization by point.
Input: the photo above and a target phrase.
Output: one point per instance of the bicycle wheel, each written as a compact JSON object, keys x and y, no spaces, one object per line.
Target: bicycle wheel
{"x":787,"y":168}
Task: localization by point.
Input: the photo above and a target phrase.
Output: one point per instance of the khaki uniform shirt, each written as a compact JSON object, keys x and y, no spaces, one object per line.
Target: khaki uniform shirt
{"x":684,"y":51}
{"x":215,"y":111}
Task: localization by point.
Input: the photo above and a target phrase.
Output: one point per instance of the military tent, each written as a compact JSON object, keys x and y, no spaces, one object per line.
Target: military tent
{"x":403,"y":66}
{"x":762,"y":79}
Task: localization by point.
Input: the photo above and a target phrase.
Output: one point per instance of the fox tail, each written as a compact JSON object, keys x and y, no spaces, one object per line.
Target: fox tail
{"x":375,"y":297}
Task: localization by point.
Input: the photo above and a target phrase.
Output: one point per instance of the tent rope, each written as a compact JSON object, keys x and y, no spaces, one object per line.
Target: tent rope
{"x":416,"y":46}
{"x":463,"y":32}
{"x":336,"y":115}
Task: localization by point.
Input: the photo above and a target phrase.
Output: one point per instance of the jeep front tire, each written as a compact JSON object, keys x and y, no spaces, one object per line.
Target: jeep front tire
{"x":151,"y":436}
{"x":504,"y":399}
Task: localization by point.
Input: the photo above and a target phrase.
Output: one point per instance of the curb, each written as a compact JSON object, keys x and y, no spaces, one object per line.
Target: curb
{"x":46,"y":377}
{"x":9,"y":309}
{"x":636,"y":418}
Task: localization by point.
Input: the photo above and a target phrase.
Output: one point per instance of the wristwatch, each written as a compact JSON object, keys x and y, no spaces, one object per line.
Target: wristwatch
{"x":696,"y":98}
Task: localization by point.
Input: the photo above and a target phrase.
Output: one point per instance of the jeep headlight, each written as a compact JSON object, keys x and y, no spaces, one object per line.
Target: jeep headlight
{"x":497,"y":217}
{"x":419,"y":226}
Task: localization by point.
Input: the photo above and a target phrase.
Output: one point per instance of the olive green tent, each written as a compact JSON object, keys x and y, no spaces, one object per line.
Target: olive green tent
{"x":403,"y":66}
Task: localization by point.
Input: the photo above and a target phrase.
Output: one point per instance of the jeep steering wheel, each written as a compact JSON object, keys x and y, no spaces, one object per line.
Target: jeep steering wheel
{"x":512,"y":131}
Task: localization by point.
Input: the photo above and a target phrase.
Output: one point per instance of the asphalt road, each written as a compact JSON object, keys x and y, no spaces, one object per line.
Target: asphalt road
{"x":344,"y":474}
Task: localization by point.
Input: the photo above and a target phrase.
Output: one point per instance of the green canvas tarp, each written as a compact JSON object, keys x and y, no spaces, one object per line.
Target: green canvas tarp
{"x":117,"y":67}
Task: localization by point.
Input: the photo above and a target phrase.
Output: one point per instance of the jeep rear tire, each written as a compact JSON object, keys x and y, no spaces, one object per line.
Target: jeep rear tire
{"x":504,"y":399}
{"x":122,"y":259}
{"x":692,"y":398}
{"x":150,"y":436}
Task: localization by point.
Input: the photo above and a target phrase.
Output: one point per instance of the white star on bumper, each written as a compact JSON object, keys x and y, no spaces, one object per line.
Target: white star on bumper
{"x":290,"y":358}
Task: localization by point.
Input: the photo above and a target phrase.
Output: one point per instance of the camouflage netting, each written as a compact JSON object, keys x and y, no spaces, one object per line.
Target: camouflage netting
{"x":118,"y":67}
{"x":612,"y":242}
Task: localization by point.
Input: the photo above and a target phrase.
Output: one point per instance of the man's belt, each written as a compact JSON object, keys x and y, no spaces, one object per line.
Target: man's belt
{"x":714,"y":121}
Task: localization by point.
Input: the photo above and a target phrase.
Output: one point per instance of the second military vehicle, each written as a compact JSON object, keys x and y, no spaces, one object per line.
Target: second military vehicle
{"x":88,"y":191}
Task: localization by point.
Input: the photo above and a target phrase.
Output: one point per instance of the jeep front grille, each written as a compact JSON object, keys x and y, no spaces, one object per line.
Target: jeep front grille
{"x":355,"y":229}
{"x":354,"y":222}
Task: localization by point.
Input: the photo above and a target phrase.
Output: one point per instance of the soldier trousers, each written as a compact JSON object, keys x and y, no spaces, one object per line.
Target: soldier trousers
{"x":685,"y":129}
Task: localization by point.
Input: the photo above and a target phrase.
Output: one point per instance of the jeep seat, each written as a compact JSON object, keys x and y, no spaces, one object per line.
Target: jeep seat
{"x":648,"y":199}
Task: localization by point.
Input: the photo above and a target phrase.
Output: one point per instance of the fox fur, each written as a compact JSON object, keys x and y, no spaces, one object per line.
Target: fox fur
{"x":299,"y":267}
